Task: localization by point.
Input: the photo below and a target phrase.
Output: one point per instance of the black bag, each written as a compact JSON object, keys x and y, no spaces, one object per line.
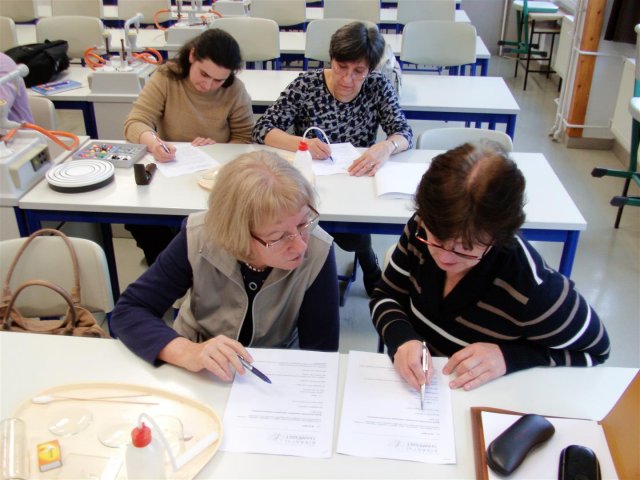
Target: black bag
{"x":45,"y":60}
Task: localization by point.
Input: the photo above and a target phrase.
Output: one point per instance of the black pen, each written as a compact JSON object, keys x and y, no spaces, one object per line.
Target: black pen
{"x":253,"y":370}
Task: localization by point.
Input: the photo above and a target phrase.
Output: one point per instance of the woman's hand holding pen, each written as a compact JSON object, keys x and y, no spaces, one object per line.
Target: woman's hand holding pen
{"x":319,"y":150}
{"x":408,"y":363}
{"x":218,"y":355}
{"x":161,"y":150}
{"x":475,"y":365}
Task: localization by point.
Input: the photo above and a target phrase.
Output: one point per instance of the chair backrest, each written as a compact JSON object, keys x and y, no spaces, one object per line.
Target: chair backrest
{"x":129,"y":8}
{"x":43,"y":111}
{"x":412,"y":10}
{"x":363,"y":10}
{"x":47,"y":258}
{"x":8,"y":36}
{"x":448,"y":138}
{"x":319,"y":34}
{"x":81,"y":32}
{"x":88,"y":8}
{"x":441,"y":44}
{"x":19,"y":10}
{"x":259,"y":38}
{"x":284,"y":12}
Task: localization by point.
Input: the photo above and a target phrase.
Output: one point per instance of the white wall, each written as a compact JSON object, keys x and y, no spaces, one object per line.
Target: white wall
{"x":486,"y":16}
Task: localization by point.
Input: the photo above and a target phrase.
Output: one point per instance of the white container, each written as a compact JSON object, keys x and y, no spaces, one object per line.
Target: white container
{"x":144,"y":457}
{"x":303,"y":162}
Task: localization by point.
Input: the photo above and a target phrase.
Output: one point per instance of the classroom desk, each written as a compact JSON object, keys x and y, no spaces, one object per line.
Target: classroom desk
{"x":31,"y":363}
{"x":423,"y":97}
{"x":292,"y":44}
{"x":346,"y":204}
{"x":388,"y":16}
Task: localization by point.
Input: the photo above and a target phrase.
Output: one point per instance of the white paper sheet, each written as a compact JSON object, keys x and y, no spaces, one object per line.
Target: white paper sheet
{"x":381,"y":415}
{"x":292,"y":416}
{"x":542,"y":461}
{"x":342,"y":156}
{"x":189,"y":159}
{"x":399,"y":180}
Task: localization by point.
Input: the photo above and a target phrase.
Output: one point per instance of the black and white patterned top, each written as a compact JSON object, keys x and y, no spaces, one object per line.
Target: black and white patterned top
{"x":307,"y":102}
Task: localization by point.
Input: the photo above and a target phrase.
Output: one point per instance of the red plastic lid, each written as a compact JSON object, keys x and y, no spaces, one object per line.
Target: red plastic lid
{"x":303,"y":146}
{"x":141,"y":436}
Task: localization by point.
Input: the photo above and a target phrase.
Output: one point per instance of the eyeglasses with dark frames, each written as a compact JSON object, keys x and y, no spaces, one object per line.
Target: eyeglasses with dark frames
{"x":466,"y":256}
{"x":303,"y":230}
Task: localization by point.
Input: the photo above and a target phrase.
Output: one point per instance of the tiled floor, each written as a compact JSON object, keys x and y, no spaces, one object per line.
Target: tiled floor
{"x":607,"y":266}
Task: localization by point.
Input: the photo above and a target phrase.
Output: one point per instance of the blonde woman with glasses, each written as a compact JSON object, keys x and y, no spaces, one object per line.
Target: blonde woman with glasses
{"x":258,"y":269}
{"x":464,"y":281}
{"x":349,"y":101}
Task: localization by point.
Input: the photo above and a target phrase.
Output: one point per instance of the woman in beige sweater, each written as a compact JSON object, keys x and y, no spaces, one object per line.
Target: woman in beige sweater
{"x":195,"y":98}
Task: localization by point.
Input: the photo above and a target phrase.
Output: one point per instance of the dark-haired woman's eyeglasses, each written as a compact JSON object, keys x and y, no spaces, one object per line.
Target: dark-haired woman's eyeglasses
{"x":466,"y":256}
{"x":303,"y":231}
{"x":343,"y":70}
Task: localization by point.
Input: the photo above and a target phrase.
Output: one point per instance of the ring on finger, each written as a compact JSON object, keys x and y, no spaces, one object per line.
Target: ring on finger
{"x":371,"y":165}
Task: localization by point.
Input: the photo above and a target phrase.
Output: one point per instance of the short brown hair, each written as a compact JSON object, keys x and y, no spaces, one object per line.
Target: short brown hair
{"x":357,"y":41}
{"x":254,"y":189}
{"x":473,"y":193}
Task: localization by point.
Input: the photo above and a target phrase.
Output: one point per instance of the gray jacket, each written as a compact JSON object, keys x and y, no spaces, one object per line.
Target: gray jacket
{"x":217,"y":302}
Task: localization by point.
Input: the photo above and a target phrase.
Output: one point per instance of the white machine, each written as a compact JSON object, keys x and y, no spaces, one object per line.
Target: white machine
{"x":127,"y":73}
{"x":26,"y":159}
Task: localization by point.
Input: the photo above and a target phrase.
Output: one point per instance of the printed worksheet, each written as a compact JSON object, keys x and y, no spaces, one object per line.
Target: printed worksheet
{"x":294,"y":415}
{"x":189,"y":159}
{"x":342,"y":156}
{"x":382,"y":418}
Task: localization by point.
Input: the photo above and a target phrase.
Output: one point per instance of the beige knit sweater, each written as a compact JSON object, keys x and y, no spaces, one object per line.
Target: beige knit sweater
{"x":180,"y":113}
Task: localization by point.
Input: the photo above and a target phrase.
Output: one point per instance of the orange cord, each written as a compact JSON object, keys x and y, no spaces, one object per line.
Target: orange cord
{"x":155,"y":18}
{"x":216,"y":13}
{"x":90,"y":56}
{"x":149,"y":55}
{"x":52,"y":134}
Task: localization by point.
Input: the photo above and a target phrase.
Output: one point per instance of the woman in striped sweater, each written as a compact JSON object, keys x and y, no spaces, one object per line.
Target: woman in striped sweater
{"x":464,"y":281}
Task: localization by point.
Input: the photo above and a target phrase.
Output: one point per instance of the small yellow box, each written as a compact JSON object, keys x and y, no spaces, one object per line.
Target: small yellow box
{"x":49,"y":455}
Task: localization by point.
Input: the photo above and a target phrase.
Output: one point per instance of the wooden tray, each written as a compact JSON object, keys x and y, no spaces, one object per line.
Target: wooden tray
{"x":84,"y":454}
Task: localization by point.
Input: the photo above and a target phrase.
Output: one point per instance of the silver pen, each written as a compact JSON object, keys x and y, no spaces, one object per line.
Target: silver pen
{"x":253,"y":370}
{"x":162,"y":144}
{"x":425,"y":367}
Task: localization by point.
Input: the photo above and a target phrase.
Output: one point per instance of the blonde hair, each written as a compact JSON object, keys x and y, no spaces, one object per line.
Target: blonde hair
{"x":255,"y":189}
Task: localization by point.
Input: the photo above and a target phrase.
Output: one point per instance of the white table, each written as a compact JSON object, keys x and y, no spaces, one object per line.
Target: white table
{"x":31,"y":363}
{"x":292,"y":44}
{"x":388,"y":16}
{"x":346,"y":204}
{"x":423,"y":97}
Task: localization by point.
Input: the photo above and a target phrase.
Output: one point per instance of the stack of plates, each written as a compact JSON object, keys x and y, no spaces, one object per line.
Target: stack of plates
{"x":80,"y":175}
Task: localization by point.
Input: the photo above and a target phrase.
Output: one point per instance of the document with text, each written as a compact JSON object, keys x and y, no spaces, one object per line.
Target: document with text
{"x":294,"y":415}
{"x":382,"y":418}
{"x":189,"y":159}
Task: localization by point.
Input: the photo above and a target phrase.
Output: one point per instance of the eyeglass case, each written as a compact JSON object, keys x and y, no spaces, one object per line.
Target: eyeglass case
{"x":510,"y":448}
{"x":578,"y":463}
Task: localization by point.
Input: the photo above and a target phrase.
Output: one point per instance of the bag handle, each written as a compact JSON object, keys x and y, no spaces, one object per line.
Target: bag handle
{"x":69,"y":322}
{"x":75,"y":289}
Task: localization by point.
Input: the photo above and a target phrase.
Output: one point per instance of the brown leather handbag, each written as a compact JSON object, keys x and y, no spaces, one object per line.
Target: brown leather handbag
{"x":77,"y":321}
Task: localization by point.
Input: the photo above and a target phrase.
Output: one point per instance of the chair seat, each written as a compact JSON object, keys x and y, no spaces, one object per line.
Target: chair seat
{"x":634,"y":108}
{"x":536,"y":6}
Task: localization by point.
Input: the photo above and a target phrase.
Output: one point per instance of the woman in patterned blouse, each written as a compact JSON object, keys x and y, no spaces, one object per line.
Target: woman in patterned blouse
{"x":349,"y":101}
{"x":463,"y":280}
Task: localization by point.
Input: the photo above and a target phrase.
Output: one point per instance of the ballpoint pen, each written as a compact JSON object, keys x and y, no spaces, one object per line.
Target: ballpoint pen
{"x":162,"y":144}
{"x":424,"y":369}
{"x":253,"y":370}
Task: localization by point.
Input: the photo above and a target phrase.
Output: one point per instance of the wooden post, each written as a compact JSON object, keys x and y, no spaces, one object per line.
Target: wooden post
{"x":586,"y":64}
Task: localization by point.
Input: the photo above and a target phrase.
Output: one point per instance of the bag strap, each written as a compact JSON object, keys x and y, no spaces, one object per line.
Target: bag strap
{"x":71,"y":319}
{"x":75,"y":289}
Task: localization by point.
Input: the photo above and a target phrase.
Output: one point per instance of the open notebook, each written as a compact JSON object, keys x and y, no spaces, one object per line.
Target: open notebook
{"x":399,"y":179}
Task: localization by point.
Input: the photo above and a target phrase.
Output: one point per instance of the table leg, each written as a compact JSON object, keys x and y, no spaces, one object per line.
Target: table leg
{"x":511,"y":126}
{"x":23,"y":229}
{"x":569,"y":252}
